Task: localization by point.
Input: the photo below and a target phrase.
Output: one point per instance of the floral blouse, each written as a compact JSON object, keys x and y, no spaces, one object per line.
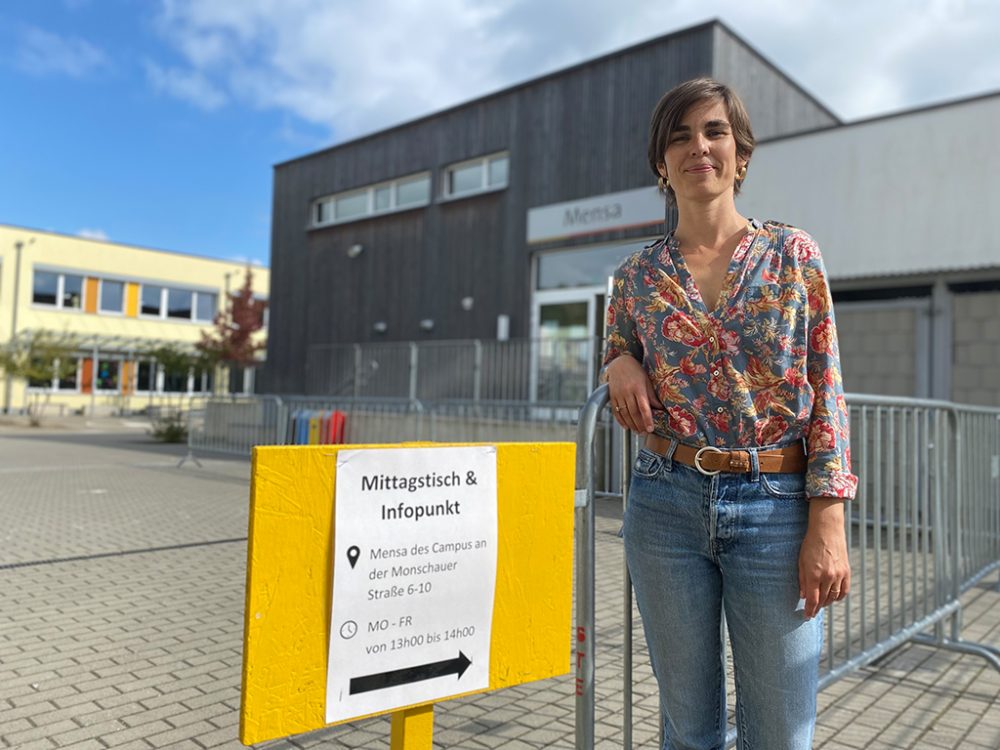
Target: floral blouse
{"x":761,"y":369}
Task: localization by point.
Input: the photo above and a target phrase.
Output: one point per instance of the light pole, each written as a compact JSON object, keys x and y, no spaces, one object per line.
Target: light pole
{"x":18,"y":246}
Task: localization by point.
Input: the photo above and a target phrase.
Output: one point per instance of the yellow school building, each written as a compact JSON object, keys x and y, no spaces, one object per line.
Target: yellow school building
{"x":114,"y":304}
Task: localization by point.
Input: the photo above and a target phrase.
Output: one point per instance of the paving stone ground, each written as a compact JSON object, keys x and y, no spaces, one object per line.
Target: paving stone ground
{"x":121,"y":623}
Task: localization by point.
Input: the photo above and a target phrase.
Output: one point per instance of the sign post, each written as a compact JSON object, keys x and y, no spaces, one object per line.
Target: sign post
{"x":383,"y":579}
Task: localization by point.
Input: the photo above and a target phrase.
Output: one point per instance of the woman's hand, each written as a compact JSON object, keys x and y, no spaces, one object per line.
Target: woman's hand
{"x":632,"y":396}
{"x":824,"y":567}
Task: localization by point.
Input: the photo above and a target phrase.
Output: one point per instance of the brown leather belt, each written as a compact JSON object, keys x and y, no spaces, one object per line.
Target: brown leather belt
{"x":710,"y":460}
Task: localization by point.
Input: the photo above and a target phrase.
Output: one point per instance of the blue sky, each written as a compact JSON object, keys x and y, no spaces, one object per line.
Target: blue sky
{"x":157,"y":122}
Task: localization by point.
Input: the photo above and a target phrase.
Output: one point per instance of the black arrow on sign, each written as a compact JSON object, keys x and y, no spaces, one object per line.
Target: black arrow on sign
{"x":395,"y":677}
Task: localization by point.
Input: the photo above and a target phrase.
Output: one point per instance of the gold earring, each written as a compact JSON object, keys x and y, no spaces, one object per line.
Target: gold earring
{"x":741,"y":173}
{"x":663,"y":183}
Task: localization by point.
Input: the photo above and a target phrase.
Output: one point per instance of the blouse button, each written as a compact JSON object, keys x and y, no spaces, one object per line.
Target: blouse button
{"x":717,"y":372}
{"x":711,"y":339}
{"x":720,"y":409}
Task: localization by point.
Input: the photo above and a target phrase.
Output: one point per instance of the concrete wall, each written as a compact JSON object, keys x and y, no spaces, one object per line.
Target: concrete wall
{"x":878,"y":349}
{"x":976,"y":374}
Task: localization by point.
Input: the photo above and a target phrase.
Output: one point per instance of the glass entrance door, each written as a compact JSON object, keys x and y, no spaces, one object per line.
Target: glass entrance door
{"x":567,"y":343}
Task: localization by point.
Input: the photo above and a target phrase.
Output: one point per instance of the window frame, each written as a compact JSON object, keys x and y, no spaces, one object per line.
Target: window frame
{"x":149,"y":316}
{"x":194,"y":307}
{"x":326,"y":204}
{"x":118,"y":376}
{"x":100,"y":295}
{"x":60,"y":290}
{"x":483,"y":162}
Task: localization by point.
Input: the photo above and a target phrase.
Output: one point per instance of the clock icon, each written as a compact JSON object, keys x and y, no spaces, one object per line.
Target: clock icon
{"x":348,"y":630}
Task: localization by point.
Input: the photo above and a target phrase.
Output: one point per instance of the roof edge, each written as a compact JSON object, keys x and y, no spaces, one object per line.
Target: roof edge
{"x":787,"y":78}
{"x":887,"y":116}
{"x":64,"y":235}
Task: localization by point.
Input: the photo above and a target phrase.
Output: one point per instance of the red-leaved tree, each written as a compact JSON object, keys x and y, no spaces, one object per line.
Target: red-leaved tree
{"x":230,"y":340}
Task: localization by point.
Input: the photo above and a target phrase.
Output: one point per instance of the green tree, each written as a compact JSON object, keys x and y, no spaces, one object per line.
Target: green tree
{"x":38,"y":358}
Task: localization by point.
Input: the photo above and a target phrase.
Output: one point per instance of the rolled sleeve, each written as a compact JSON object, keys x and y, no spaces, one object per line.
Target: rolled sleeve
{"x":828,"y":472}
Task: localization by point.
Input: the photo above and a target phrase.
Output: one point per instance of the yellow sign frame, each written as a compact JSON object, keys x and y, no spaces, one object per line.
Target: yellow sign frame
{"x":290,"y":561}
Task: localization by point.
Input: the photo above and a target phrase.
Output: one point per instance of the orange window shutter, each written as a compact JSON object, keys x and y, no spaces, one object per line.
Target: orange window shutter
{"x":90,"y":296}
{"x":126,"y":378}
{"x":87,"y":379}
{"x":132,"y":300}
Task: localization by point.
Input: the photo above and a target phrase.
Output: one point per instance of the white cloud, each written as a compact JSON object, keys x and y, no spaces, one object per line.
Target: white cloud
{"x":41,"y":52}
{"x":190,"y":85}
{"x":356,"y":67}
{"x":93,"y":234}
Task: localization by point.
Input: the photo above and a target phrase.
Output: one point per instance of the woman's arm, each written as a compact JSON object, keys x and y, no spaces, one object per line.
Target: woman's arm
{"x":824,"y":567}
{"x":632,"y":395}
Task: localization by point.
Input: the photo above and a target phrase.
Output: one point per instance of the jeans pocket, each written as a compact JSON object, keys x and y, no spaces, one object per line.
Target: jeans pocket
{"x":784,"y":486}
{"x":647,"y":463}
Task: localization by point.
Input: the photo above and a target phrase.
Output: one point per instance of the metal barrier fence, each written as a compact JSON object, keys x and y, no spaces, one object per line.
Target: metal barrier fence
{"x":236,"y":424}
{"x":924,"y":528}
{"x":518,"y":370}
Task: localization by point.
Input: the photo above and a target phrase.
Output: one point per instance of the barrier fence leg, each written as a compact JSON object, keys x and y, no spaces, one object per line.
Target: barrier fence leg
{"x":189,"y":456}
{"x":413,"y":729}
{"x":585,"y":640}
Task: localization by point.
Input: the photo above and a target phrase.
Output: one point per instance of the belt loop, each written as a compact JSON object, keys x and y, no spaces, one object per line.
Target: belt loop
{"x":754,"y":465}
{"x":668,"y":458}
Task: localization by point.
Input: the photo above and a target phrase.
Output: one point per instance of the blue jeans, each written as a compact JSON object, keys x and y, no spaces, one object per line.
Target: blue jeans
{"x":696,"y":544}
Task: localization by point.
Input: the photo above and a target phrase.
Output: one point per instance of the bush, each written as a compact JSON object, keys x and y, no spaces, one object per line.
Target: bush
{"x":170,"y":427}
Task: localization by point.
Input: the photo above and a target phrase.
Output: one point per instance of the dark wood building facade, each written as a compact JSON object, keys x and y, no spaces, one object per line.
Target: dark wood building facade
{"x":452,"y":265}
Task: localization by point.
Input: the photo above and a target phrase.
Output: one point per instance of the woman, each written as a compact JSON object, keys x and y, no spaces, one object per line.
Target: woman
{"x":722,"y":351}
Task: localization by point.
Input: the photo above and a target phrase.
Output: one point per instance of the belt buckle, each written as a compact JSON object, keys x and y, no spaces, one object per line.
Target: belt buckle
{"x":697,"y":460}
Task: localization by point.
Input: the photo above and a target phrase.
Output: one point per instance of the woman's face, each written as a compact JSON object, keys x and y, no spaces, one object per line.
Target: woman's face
{"x":700,"y":160}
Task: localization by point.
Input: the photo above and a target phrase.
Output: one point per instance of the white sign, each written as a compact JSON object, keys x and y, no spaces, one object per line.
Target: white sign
{"x":414,"y":573}
{"x":603,"y":213}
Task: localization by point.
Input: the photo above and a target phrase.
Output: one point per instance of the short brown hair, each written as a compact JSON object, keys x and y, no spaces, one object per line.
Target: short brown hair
{"x":674,"y":104}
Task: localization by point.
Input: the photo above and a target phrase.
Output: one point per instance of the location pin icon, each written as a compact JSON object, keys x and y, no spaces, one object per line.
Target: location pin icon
{"x":353,"y":553}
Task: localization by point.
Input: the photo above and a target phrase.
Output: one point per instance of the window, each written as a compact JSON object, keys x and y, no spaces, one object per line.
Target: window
{"x":69,"y":380}
{"x":179,"y":303}
{"x":384,"y":197}
{"x":107,"y":374}
{"x":46,"y":288}
{"x":72,"y":291}
{"x":61,"y":290}
{"x":476,"y":176}
{"x":202,"y":382}
{"x":465,"y":179}
{"x":152,"y":300}
{"x":413,"y":192}
{"x":175,"y":382}
{"x":112,"y":296}
{"x":350,"y":206}
{"x":35,"y":382}
{"x":322,"y":209}
{"x":497,"y":172}
{"x":145,"y":377}
{"x":205,"y":307}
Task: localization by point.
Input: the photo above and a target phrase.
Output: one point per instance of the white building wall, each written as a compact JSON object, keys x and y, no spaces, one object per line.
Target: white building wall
{"x":905,"y":194}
